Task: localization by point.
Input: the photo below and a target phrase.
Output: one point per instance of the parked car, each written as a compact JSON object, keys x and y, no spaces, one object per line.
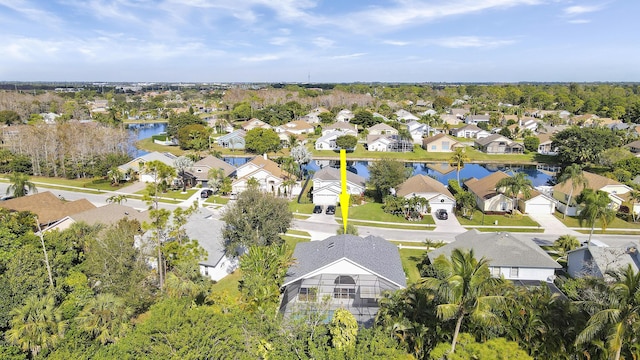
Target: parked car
{"x":441,"y":214}
{"x":317,"y":209}
{"x":331,"y":210}
{"x":206,"y":193}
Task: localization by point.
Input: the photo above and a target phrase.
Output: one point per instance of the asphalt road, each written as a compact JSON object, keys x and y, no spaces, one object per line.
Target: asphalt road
{"x":325,"y":226}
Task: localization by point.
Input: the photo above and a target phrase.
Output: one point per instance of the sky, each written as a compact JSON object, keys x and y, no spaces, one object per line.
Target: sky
{"x":410,"y":41}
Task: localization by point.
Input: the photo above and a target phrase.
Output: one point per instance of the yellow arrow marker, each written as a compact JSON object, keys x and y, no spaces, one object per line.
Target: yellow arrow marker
{"x":344,"y":196}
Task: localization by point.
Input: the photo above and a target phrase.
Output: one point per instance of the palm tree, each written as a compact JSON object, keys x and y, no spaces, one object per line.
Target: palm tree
{"x":574,"y":174}
{"x":105,"y":317}
{"x":20,"y":185}
{"x":458,"y":159}
{"x":37,"y":325}
{"x":566,"y":243}
{"x":463,"y":287}
{"x":514,"y":185}
{"x":117,"y":199}
{"x":619,"y":317}
{"x":634,"y":198}
{"x":595,"y":206}
{"x":215,"y":178}
{"x":115,"y":175}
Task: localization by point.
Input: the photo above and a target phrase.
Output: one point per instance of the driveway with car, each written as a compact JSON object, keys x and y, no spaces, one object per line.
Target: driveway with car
{"x":451,"y":224}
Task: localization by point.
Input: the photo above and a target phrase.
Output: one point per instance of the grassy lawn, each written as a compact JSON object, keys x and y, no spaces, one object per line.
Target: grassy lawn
{"x":217,"y":199}
{"x":300,"y":208}
{"x":300,"y":217}
{"x":494,"y":229}
{"x":149,"y":145}
{"x":293,"y":241}
{"x":617,"y":223}
{"x":410,"y":259}
{"x":503,"y":220}
{"x":93,"y":184}
{"x":387,"y":226}
{"x":373,"y":212}
{"x":298,"y":232}
{"x":173,"y":194}
{"x":408,"y":243}
{"x":229,"y":284}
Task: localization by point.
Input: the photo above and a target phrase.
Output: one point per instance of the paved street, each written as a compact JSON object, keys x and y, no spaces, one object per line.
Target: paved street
{"x":321,"y":226}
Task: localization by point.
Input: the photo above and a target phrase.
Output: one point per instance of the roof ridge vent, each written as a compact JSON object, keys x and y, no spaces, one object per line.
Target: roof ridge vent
{"x":331,"y":245}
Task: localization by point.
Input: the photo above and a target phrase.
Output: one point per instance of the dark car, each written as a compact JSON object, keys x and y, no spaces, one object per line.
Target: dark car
{"x":331,"y":210}
{"x":441,"y":214}
{"x":206,"y":193}
{"x":317,"y":209}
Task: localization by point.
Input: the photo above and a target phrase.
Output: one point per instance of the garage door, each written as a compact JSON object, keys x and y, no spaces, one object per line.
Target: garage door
{"x":325,"y":199}
{"x":445,"y":206}
{"x":540,"y":208}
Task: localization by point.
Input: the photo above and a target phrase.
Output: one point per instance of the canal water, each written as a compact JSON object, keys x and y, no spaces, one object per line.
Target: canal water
{"x":440,"y":171}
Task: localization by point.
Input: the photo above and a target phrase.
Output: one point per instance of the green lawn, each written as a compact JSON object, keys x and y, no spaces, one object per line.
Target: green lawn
{"x":229,"y":284}
{"x":617,"y":223}
{"x":373,"y":212}
{"x":410,"y":259}
{"x":217,"y":199}
{"x":298,"y":232}
{"x":387,"y":226}
{"x":300,"y":208}
{"x":503,"y":220}
{"x":173,"y":194}
{"x":495,"y":229}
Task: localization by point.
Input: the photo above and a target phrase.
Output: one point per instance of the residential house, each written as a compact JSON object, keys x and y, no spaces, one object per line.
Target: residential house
{"x":418,"y":130}
{"x":382,"y":129}
{"x":546,"y":144}
{"x":429,"y":112}
{"x":528,"y":124}
{"x":327,"y":185}
{"x":200,"y":169}
{"x":344,"y":115}
{"x":470,"y":132}
{"x":440,"y":143}
{"x":634,"y":147}
{"x":618,"y":192}
{"x":509,"y":256}
{"x":346,"y":128}
{"x":109,"y":214}
{"x":313,"y":116}
{"x":254,"y":124}
{"x":537,"y":203}
{"x":268,"y":174}
{"x":99,"y":106}
{"x":328,"y":140}
{"x":207,"y":230}
{"x":297,"y":127}
{"x":351,"y":271}
{"x":47,"y":207}
{"x":234,"y":140}
{"x":405,"y":116}
{"x":488,"y":198}
{"x":49,"y":118}
{"x":459,"y":113}
{"x":498,"y":144}
{"x":435,"y":192}
{"x":476,"y":119}
{"x":389,"y":143}
{"x":450,"y":119}
{"x":137,"y":165}
{"x":378,"y":115}
{"x":596,"y":261}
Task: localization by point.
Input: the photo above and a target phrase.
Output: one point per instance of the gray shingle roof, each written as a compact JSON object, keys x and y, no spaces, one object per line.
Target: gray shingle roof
{"x":373,"y":253}
{"x":329,"y":173}
{"x":501,"y":249}
{"x":203,"y":227}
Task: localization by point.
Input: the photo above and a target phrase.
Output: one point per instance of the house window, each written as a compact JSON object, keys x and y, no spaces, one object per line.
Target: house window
{"x":344,"y":293}
{"x":345,"y":287}
{"x":513,"y":272}
{"x":445,"y":145}
{"x":433,"y":147}
{"x":308,"y":294}
{"x":495,"y":272}
{"x":206,"y":271}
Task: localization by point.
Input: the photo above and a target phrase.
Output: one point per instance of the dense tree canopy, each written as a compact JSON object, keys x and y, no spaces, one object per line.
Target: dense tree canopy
{"x":262,"y":141}
{"x":387,"y":174}
{"x":583,"y":145}
{"x":177,"y":122}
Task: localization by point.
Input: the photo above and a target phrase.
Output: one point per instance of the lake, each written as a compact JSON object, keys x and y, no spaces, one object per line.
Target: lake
{"x":145,"y":131}
{"x":438,"y":170}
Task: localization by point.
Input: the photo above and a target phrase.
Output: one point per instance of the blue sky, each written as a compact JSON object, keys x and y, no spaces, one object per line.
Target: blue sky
{"x":328,"y":40}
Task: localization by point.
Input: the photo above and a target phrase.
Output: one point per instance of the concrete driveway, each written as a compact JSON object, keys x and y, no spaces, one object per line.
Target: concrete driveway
{"x":552,"y":225}
{"x":450,"y":225}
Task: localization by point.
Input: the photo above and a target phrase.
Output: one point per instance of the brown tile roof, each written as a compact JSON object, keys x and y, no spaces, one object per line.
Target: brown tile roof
{"x":269,"y":166}
{"x":485,"y":187}
{"x":422,"y":184}
{"x":47,"y":206}
{"x":110,"y":214}
{"x":544,"y":137}
{"x":213,"y":162}
{"x":433,"y":138}
{"x":594,"y":181}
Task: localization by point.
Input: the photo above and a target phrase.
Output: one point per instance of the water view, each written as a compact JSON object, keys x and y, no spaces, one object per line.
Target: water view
{"x":144,"y":131}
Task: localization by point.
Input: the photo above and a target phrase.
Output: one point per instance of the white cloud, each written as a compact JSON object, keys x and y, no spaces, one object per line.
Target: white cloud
{"x":579,"y":21}
{"x":31,"y":12}
{"x":260,"y":58}
{"x":279,"y":41}
{"x":411,"y":12}
{"x":396,"y":43}
{"x":470,"y":41}
{"x":322,"y":42}
{"x":348,"y":56}
{"x":581,"y":9}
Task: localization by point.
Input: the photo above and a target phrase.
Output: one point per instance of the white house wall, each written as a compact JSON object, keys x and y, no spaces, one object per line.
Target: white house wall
{"x":541,"y":274}
{"x":224,"y":267}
